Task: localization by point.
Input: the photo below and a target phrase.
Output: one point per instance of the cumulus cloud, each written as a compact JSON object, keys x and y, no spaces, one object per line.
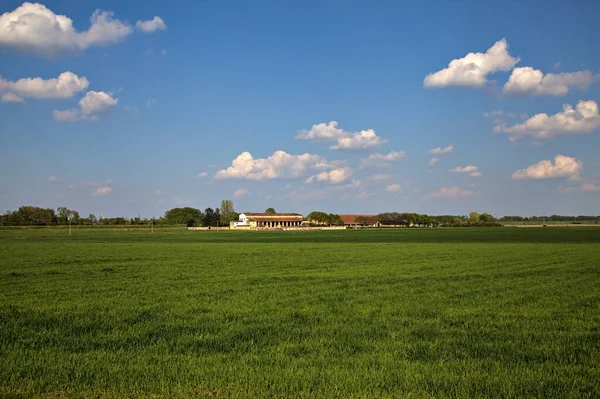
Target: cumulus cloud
{"x":472,"y":70}
{"x":584,"y":118}
{"x":151,"y":25}
{"x":65,"y":85}
{"x":393,"y":188}
{"x":433,"y":161}
{"x":472,"y":170}
{"x":334,"y":176}
{"x":34,"y":28}
{"x":102,"y":191}
{"x":324,"y":132}
{"x":10,"y":98}
{"x":93,"y":104}
{"x":202,"y":175}
{"x":450,"y":192}
{"x":529,"y":81}
{"x":380,"y":160}
{"x":278,"y":165}
{"x":440,"y":150}
{"x":563,"y":166}
{"x":240,"y":192}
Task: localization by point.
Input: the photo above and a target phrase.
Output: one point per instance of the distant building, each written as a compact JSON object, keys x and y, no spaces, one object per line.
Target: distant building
{"x":358,"y":220}
{"x":267,"y":220}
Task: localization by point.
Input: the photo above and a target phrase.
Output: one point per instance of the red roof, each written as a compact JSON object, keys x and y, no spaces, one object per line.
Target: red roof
{"x":351,"y":218}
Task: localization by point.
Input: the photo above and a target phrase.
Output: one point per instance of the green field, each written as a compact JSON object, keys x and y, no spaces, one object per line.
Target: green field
{"x":501,"y":312}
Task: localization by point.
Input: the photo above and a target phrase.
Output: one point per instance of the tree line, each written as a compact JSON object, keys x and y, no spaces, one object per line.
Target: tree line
{"x":225,"y":213}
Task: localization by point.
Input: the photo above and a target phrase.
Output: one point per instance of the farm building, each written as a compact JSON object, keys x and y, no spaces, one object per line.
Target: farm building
{"x":357,"y":220}
{"x":267,"y":220}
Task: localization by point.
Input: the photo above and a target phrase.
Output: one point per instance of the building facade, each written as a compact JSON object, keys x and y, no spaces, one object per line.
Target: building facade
{"x":267,"y":220}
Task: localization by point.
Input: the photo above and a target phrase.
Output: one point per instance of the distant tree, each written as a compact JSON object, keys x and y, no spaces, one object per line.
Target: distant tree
{"x":64,"y":214}
{"x":188,"y":216}
{"x":227,"y":212}
{"x":457,"y":222}
{"x":270,"y":210}
{"x":486,"y":218}
{"x":211,"y":217}
{"x":92,"y":219}
{"x":474,"y":217}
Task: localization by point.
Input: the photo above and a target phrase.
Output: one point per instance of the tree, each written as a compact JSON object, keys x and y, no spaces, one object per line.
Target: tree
{"x":270,"y":210}
{"x":486,"y":218}
{"x":92,"y":219}
{"x":211,"y":217}
{"x":188,"y":216}
{"x":227,"y":212}
{"x":474,"y":217}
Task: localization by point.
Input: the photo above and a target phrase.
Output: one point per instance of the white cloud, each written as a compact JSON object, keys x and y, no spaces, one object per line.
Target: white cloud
{"x":440,"y":150}
{"x":11,"y":98}
{"x":94,"y":103}
{"x":33,"y":28}
{"x":450,"y":192}
{"x":334,"y":176}
{"x":563,"y":166}
{"x":163,"y":52}
{"x":150,"y":102}
{"x":526,"y":80}
{"x":378,"y":177}
{"x":157,"y":191}
{"x":583,"y":119}
{"x":472,"y":70}
{"x":240,"y":192}
{"x":393,"y":188}
{"x":102,"y":191}
{"x":71,"y":186}
{"x":379,"y":159}
{"x":201,"y":175}
{"x":278,"y":165}
{"x":324,"y":132}
{"x":151,"y":25}
{"x":472,"y":170}
{"x":433,"y":161}
{"x":66,"y":85}
{"x":131,"y":108}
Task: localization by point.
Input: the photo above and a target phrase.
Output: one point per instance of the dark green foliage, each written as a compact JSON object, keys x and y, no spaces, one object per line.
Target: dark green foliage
{"x":188,"y":216}
{"x":270,"y":210}
{"x":389,"y":313}
{"x":322,"y":218}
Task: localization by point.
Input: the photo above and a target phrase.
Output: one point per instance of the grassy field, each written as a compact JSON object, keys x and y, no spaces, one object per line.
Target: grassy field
{"x":367,"y":314}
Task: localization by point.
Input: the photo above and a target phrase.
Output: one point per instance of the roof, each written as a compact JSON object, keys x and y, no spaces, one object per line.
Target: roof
{"x":252,"y":214}
{"x":351,"y":218}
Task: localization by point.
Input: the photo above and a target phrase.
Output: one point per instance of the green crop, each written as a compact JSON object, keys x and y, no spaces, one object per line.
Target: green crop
{"x":501,"y":312}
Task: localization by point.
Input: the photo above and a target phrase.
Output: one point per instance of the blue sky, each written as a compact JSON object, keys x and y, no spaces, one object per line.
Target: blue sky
{"x":341,"y":105}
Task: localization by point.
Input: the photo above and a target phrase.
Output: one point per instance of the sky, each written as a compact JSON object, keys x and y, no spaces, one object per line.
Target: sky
{"x":437,"y":107}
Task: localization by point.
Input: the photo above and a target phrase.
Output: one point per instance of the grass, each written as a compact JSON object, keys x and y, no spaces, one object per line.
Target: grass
{"x":379,"y":313}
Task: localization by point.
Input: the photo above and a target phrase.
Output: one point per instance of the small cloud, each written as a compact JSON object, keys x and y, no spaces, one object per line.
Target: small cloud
{"x":151,"y":25}
{"x":56,"y":179}
{"x":71,"y":186}
{"x":150,"y":102}
{"x":440,"y":150}
{"x":102,"y":191}
{"x":157,"y":191}
{"x":202,"y":175}
{"x":240,"y":192}
{"x":163,"y":52}
{"x":433,"y":161}
{"x":563,"y":166}
{"x":382,"y":160}
{"x":393,"y":188}
{"x":472,"y":170}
